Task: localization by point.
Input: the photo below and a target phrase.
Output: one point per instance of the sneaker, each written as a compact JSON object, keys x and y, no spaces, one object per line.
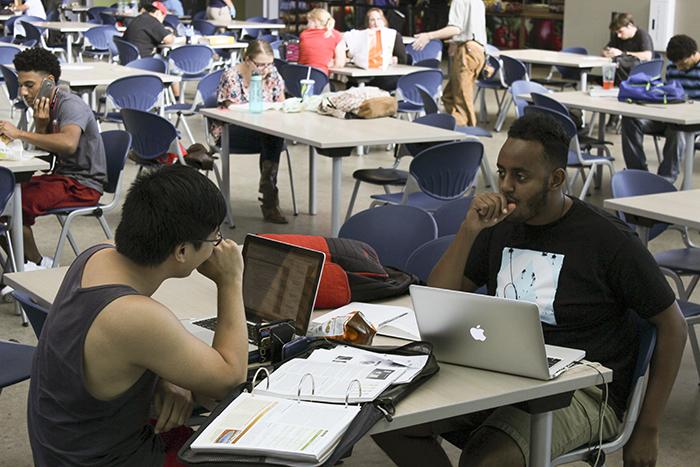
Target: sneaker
{"x":6,"y":294}
{"x":46,"y":263}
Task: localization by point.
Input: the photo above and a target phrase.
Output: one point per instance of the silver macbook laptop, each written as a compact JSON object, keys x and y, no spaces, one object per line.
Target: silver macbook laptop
{"x":488,"y":332}
{"x":280,"y":281}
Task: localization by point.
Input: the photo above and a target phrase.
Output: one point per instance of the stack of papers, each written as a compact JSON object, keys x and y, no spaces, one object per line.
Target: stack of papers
{"x":598,"y":91}
{"x":392,"y":321}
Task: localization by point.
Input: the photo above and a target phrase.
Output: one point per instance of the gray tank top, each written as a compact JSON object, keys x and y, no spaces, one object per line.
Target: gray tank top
{"x":67,"y":425}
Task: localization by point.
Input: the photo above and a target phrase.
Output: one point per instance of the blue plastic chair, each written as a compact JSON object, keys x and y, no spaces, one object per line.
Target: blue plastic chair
{"x":108,"y":19}
{"x":171,"y":21}
{"x":204,"y":97}
{"x":522,"y":87}
{"x":127,"y":51}
{"x":430,"y":106}
{"x":393,"y":176}
{"x":570,"y":76}
{"x":393,"y":231}
{"x":154,"y":64}
{"x":651,"y":68}
{"x":36,"y":313}
{"x":7,"y":186}
{"x":7,"y":55}
{"x":33,"y":32}
{"x":495,"y":83}
{"x":94,"y":12}
{"x":10,"y":23}
{"x":151,"y":136}
{"x":12,"y":85}
{"x":293,"y":73}
{"x":255,"y":33}
{"x":432,"y":50}
{"x":117,"y":144}
{"x":449,"y":216}
{"x":204,"y":27}
{"x":140,"y":92}
{"x":199,"y":15}
{"x":411,"y":101}
{"x":429,"y":63}
{"x":439,"y":174}
{"x":425,"y":257}
{"x":640,"y":377}
{"x":513,"y":70}
{"x":578,"y":158}
{"x":98,"y":42}
{"x":16,"y":363}
{"x":191,"y":61}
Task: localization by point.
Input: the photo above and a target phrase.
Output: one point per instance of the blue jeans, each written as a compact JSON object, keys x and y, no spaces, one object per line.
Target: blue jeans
{"x":633,"y":131}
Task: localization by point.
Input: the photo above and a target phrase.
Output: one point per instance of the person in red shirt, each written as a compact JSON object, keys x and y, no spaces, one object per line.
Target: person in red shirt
{"x":321,"y":46}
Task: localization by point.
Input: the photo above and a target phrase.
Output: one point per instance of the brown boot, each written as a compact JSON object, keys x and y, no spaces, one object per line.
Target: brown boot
{"x":270,"y":199}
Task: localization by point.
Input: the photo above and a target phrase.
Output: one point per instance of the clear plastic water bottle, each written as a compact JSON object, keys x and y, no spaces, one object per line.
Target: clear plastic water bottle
{"x":255,"y":97}
{"x":189,"y":32}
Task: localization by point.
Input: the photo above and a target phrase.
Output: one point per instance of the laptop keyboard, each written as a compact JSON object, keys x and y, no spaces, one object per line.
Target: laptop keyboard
{"x":552,"y":361}
{"x":209,"y":323}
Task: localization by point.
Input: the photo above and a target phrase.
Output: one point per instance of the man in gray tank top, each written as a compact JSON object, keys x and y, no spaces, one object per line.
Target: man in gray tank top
{"x":108,"y":351}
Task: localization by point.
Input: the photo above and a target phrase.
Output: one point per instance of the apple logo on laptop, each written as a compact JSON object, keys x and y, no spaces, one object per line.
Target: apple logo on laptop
{"x":477,"y":333}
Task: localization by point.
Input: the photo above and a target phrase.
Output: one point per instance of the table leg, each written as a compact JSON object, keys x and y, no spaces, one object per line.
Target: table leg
{"x":226,"y":174}
{"x":541,"y":439}
{"x":69,"y":48}
{"x":583,"y":84}
{"x":336,"y":195}
{"x":17,"y":229}
{"x":312,"y":180}
{"x":689,"y":161}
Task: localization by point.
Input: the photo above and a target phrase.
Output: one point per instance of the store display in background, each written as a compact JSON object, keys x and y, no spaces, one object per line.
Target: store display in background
{"x":525,"y":24}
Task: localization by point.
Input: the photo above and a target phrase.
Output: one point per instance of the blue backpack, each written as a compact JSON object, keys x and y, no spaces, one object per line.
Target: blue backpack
{"x":641,"y":88}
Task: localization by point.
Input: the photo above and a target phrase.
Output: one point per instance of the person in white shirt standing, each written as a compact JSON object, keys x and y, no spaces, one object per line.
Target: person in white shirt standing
{"x":466,"y":27}
{"x":31,"y":8}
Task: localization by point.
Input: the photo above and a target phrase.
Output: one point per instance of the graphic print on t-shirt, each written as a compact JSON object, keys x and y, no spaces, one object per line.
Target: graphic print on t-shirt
{"x":532,"y":276}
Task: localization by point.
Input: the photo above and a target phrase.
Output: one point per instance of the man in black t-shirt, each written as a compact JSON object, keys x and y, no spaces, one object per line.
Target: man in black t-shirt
{"x":147,"y":32}
{"x":585,"y":270}
{"x":628,"y":45}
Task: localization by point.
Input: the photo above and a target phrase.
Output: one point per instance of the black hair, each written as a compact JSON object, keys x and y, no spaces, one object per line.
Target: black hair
{"x":149,"y":7}
{"x":38,"y":60}
{"x":164,"y":208}
{"x":680,"y":47}
{"x":547,"y":131}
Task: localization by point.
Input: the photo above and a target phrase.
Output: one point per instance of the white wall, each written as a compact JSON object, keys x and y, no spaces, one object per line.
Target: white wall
{"x":688,"y":18}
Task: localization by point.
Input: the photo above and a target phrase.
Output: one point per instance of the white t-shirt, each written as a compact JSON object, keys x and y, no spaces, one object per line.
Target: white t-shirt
{"x":470,"y":17}
{"x":36,"y":8}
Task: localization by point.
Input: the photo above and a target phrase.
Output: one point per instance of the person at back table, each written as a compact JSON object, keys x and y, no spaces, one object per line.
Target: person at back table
{"x":374,"y":21}
{"x":65,"y":126}
{"x":585,"y":269}
{"x":682,"y":52}
{"x":108,"y":351}
{"x":233,"y":89}
{"x":174,"y":7}
{"x":221,"y":12}
{"x":147,"y":32}
{"x":320,"y":45}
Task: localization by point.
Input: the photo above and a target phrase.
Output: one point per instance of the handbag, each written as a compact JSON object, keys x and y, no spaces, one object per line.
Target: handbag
{"x":641,"y":88}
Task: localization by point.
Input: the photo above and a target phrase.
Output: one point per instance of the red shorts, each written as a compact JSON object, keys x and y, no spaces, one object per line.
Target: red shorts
{"x":173,"y":441}
{"x":46,"y":192}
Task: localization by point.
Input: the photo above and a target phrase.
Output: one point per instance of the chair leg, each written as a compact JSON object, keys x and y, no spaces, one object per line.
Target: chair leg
{"x":291,"y":184}
{"x":190,"y":136}
{"x":693,"y":337}
{"x":65,"y":234}
{"x":352,"y":199}
{"x":587,"y":182}
{"x":11,"y":256}
{"x":105,"y":226}
{"x":659,"y":157}
{"x":503,"y":114}
{"x":488,"y":174}
{"x":227,"y":202}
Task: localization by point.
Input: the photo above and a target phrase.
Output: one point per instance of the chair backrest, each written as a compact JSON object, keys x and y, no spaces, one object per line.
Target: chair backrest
{"x":566,"y":122}
{"x":513,"y":70}
{"x":151,"y":134}
{"x":425,"y":257}
{"x":127,"y":51}
{"x":446,"y":171}
{"x":35,"y":313}
{"x":437,"y":120}
{"x":7,"y":54}
{"x":429,"y":79}
{"x":7,"y":186}
{"x":567,"y":72}
{"x":279,"y":64}
{"x":632,"y":182}
{"x":292,"y":73}
{"x":16,"y":362}
{"x":429,"y":63}
{"x":433,"y":49}
{"x":520,"y":87}
{"x":497,"y":78}
{"x":30,"y":31}
{"x":11,"y":82}
{"x":651,"y":68}
{"x":204,"y":27}
{"x":430,"y":105}
{"x":199,"y":15}
{"x":101,"y":37}
{"x":394,"y":231}
{"x":449,"y":216}
{"x":191,"y":59}
{"x":544,"y":100}
{"x":171,"y":21}
{"x":135,"y":92}
{"x":117,"y":144}
{"x":107,"y":18}
{"x":255,"y":33}
{"x":94,"y":12}
{"x":207,"y":87}
{"x":154,"y":64}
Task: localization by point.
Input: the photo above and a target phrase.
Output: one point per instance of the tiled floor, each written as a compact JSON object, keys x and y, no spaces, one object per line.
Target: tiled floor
{"x":681,"y":425}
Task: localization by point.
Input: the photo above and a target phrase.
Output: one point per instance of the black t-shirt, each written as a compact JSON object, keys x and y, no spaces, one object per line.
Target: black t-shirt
{"x":145,"y":32}
{"x":640,"y":42}
{"x":585,"y":271}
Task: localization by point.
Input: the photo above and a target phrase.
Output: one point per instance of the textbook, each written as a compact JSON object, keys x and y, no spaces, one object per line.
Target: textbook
{"x":253,"y":424}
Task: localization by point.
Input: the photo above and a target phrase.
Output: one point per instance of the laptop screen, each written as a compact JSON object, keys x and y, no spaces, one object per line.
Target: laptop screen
{"x":280,"y":281}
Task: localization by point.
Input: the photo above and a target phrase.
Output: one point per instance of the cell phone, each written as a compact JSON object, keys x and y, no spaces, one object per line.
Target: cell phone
{"x":46,"y":88}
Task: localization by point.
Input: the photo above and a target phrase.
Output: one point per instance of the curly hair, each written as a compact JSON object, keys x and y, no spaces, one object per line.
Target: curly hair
{"x":680,"y":47}
{"x":39,"y":60}
{"x":548,"y":132}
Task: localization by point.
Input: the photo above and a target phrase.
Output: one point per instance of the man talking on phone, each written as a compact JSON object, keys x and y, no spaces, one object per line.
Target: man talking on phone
{"x":64,"y":126}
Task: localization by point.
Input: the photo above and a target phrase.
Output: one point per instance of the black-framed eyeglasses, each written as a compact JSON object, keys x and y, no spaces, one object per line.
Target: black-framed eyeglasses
{"x":216,"y":240}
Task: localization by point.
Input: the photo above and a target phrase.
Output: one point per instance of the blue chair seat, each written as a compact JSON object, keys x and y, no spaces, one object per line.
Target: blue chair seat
{"x":680,"y":260}
{"x":381,"y":176}
{"x":17,"y":363}
{"x":489,"y":84}
{"x":178,"y":107}
{"x":68,"y":210}
{"x":474,"y":131}
{"x":194,"y":77}
{"x":405,"y":106}
{"x":114,"y":117}
{"x":689,"y":309}
{"x":588,"y":157}
{"x":418,"y":200}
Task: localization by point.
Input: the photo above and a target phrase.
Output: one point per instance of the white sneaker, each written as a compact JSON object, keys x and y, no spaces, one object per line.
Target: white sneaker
{"x":6,"y":294}
{"x":46,"y":263}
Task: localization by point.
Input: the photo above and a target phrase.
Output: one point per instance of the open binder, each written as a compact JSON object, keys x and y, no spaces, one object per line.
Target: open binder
{"x":323,"y":439}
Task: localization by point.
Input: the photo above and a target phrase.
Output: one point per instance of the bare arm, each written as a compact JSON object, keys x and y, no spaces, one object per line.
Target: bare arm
{"x":64,"y":142}
{"x":671,"y":332}
{"x":339,"y":57}
{"x":169,"y":39}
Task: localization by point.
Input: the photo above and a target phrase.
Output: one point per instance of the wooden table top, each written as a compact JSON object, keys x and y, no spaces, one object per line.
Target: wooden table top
{"x":678,"y":207}
{"x":550,"y":57}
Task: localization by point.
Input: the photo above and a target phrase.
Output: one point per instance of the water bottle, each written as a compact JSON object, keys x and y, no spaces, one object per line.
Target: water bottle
{"x":189,"y":32}
{"x":255,"y":97}
{"x":120,"y":7}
